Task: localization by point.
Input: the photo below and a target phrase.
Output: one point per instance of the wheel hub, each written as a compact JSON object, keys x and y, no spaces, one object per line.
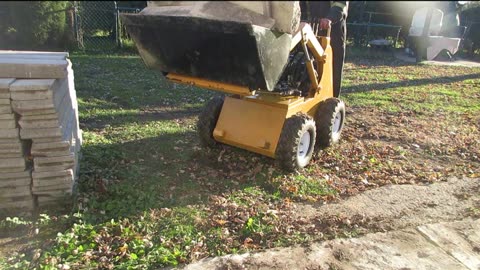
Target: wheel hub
{"x":337,"y":124}
{"x":304,"y":146}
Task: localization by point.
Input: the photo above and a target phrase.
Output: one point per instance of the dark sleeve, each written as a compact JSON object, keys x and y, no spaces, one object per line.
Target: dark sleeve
{"x":338,"y":11}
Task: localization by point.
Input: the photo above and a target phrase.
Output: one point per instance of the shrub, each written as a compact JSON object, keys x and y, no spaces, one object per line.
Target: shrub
{"x":33,"y":25}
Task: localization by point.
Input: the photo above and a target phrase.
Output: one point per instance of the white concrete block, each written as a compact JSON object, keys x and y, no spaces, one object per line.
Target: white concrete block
{"x":38,"y":133}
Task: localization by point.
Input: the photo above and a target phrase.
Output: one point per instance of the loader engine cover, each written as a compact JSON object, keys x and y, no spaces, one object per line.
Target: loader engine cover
{"x":218,"y":41}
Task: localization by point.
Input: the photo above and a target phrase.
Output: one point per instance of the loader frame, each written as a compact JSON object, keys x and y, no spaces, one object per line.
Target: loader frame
{"x":253,"y":119}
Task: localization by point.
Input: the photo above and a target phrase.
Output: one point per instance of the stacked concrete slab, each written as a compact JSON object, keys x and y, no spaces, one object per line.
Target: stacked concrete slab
{"x":15,"y":178}
{"x":39,"y":122}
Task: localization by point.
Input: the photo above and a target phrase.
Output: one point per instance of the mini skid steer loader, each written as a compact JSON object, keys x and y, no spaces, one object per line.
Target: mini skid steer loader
{"x":279,"y":97}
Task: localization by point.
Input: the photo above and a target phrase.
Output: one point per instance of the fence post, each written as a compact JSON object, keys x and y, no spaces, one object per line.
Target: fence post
{"x":75,"y":25}
{"x":117,"y":25}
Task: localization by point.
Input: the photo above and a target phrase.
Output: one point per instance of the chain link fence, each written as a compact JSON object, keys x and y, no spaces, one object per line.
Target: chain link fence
{"x":98,"y":27}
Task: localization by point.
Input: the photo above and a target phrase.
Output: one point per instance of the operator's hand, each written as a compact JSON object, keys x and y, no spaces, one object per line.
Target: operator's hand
{"x":325,"y":23}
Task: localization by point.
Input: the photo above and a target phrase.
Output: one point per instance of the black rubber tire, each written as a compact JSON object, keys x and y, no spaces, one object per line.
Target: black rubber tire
{"x":207,"y":120}
{"x":293,"y":129}
{"x":324,"y":118}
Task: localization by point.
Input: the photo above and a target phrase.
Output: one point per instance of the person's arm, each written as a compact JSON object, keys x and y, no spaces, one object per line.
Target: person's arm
{"x":338,"y":11}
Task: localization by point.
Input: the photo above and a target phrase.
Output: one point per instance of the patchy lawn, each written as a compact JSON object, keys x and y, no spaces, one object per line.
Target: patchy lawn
{"x":149,"y":196}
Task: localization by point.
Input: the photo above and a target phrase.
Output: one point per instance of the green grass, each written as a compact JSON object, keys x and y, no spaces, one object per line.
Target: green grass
{"x":149,"y":196}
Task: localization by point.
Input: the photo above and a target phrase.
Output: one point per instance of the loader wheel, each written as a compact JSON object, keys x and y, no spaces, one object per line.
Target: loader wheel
{"x":329,"y":118}
{"x":207,"y":120}
{"x":296,"y":143}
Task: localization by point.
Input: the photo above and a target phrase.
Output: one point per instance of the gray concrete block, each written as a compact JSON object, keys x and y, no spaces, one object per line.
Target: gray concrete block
{"x":37,"y":133}
{"x":28,"y":124}
{"x":47,"y":164}
{"x":18,"y":182}
{"x":22,"y":106}
{"x":53,"y":184}
{"x":12,"y":169}
{"x":32,"y":85}
{"x":60,"y":191}
{"x":7,"y":124}
{"x":32,"y":68}
{"x":5,"y":101}
{"x":6,"y":163}
{"x":41,"y":175}
{"x":7,"y":116}
{"x":6,"y":148}
{"x":60,"y":91}
{"x":9,"y":133}
{"x":49,"y":168}
{"x":50,"y":149}
{"x":11,"y":192}
{"x":5,"y":84}
{"x":37,"y":95}
{"x":26,"y":203}
{"x":49,"y":139}
{"x":38,"y":89}
{"x":33,"y":55}
{"x":39,"y":112}
{"x":52,"y":116}
{"x":10,"y":176}
{"x":11,"y":155}
{"x":61,"y":145}
{"x":52,"y":153}
{"x":8,"y":140}
{"x":5,"y":95}
{"x":45,"y":161}
{"x":10,"y":148}
{"x":5,"y":109}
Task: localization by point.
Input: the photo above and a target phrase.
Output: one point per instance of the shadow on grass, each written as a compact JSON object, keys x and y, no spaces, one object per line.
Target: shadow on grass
{"x":409,"y":83}
{"x":102,"y":121}
{"x":125,"y":179}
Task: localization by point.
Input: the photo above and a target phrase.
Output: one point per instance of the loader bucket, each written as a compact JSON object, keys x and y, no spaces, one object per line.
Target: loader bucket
{"x":225,"y":51}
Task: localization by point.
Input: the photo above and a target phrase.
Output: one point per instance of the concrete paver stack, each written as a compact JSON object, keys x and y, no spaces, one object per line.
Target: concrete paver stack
{"x":39,"y":131}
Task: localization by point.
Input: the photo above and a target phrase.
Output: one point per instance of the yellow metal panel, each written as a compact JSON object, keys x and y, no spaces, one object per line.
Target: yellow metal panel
{"x":213,"y":85}
{"x":250,"y":125}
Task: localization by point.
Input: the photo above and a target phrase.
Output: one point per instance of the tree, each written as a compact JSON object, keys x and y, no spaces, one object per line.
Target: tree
{"x":34,"y":24}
